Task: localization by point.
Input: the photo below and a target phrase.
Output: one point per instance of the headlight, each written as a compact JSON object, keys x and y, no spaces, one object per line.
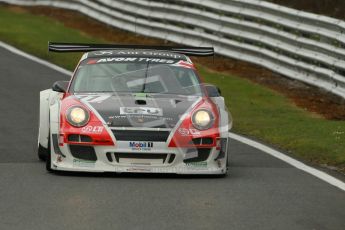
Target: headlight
{"x":77,"y":116}
{"x":202,"y":119}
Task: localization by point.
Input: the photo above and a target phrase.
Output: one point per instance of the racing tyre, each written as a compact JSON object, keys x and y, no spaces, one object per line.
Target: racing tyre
{"x":48,"y":157}
{"x":227,"y":157}
{"x":42,"y":152}
{"x":227,"y":162}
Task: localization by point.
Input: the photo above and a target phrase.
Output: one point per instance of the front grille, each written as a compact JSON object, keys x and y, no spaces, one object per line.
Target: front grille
{"x":79,"y":138}
{"x":223,"y":148}
{"x":83,"y":152}
{"x":115,"y":157}
{"x":202,"y":141}
{"x":203,"y":154}
{"x":141,"y":135}
{"x":140,"y":156}
{"x":172,"y":158}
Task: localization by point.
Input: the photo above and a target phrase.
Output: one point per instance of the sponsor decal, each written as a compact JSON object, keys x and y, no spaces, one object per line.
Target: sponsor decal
{"x":59,"y":158}
{"x":83,"y":163}
{"x":145,"y":120}
{"x":187,"y":132}
{"x":134,"y":145}
{"x":138,"y":53}
{"x":92,"y":129}
{"x":138,"y":170}
{"x":141,"y":111}
{"x":104,"y":53}
{"x":140,"y":116}
{"x":132,"y":59}
{"x":162,"y":54}
{"x":140,"y":120}
{"x":116,"y":59}
{"x":194,"y":131}
{"x":185,"y":64}
{"x":157,"y":60}
{"x":183,"y":131}
{"x":202,"y":164}
{"x":93,"y":98}
{"x":91,"y":62}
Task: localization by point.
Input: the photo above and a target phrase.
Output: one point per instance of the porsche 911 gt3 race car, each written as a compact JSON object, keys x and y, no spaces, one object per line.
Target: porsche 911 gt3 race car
{"x":134,"y":109}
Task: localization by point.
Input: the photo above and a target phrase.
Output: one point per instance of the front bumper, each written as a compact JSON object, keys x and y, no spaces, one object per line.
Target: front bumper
{"x":128,"y":158}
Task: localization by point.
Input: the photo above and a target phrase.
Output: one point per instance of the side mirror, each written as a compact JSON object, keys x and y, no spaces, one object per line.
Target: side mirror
{"x":212,"y":91}
{"x":60,"y":86}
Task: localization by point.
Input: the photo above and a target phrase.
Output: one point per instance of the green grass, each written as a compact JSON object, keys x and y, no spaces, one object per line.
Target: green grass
{"x":267,"y":115}
{"x":258,"y":112}
{"x":31,"y":33}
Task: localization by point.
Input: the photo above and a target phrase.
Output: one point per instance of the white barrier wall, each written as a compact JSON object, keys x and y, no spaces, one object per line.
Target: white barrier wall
{"x":297,"y":44}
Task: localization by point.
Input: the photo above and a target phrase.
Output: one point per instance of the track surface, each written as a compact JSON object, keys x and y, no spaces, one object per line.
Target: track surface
{"x":261,"y":192}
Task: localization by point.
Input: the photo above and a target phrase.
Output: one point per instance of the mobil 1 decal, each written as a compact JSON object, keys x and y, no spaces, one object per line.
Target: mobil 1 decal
{"x":141,"y":145}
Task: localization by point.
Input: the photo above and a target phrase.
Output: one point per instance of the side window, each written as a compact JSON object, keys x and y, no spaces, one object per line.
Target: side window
{"x":188,"y":80}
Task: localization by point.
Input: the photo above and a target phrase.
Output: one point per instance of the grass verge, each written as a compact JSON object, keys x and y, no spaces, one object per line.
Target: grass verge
{"x":258,"y":112}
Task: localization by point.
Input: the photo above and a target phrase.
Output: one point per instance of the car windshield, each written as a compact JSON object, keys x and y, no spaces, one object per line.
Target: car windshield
{"x":128,"y":75}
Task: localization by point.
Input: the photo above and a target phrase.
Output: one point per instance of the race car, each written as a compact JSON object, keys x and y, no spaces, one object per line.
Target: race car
{"x":134,"y":108}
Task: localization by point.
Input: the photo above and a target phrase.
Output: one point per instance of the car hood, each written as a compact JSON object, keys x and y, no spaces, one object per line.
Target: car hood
{"x":139,"y":110}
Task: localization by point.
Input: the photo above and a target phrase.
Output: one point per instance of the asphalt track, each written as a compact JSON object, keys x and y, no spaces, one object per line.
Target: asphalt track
{"x":261,"y":192}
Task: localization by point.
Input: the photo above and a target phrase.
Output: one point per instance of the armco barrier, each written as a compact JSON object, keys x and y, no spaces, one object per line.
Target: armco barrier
{"x":300,"y":45}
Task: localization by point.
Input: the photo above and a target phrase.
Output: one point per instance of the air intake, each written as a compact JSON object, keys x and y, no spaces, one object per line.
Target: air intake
{"x":141,"y":135}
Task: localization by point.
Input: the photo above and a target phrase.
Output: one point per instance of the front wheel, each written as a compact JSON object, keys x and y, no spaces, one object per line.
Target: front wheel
{"x":48,"y":157}
{"x":227,"y":159}
{"x":227,"y":155}
{"x":42,"y":153}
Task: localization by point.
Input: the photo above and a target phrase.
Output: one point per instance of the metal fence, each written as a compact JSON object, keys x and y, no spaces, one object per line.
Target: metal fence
{"x":297,"y":44}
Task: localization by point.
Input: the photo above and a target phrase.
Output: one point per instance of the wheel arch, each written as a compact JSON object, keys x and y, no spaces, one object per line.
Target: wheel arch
{"x":48,"y":111}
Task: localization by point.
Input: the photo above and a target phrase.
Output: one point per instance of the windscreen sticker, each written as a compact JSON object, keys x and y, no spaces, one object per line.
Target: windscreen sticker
{"x":131,"y":59}
{"x":116,"y":59}
{"x":184,"y":64}
{"x":139,"y":117}
{"x":91,"y":61}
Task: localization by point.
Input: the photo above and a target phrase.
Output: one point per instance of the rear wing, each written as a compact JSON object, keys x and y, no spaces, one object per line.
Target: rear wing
{"x":81,"y":47}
